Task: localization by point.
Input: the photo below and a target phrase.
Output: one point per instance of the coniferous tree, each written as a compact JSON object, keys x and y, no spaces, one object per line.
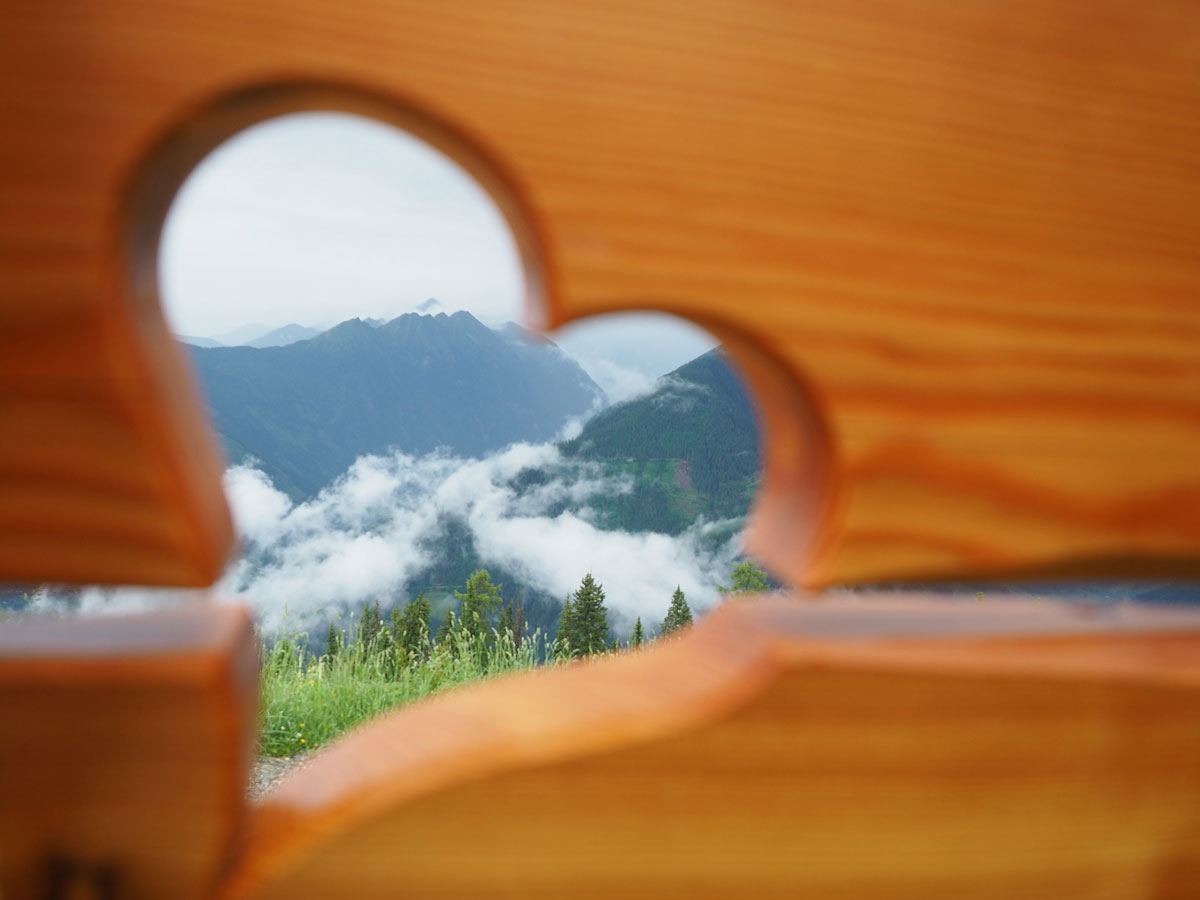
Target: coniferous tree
{"x":481,"y":599}
{"x":472,"y":627}
{"x":584,"y":625}
{"x":679,"y":614}
{"x":398,"y":628}
{"x":507,"y":620}
{"x":566,"y":627}
{"x":512,"y":622}
{"x":748,"y":578}
{"x":332,"y":642}
{"x":449,"y":631}
{"x":410,"y":627}
{"x":639,"y":636}
{"x":383,"y":649}
{"x":369,"y":625}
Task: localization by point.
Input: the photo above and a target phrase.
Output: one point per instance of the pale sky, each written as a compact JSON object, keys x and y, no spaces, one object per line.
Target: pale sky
{"x":316,"y":218}
{"x":321,"y":217}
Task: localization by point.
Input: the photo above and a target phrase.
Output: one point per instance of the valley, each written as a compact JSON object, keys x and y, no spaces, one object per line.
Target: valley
{"x":415,"y":409}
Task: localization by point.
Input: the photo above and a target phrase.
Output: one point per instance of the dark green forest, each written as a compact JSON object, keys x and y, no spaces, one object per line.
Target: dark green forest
{"x":691,"y":447}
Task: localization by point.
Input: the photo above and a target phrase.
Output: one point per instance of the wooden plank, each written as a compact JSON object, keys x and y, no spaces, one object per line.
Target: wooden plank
{"x":125,"y":747}
{"x":955,"y":246}
{"x":778,"y":749}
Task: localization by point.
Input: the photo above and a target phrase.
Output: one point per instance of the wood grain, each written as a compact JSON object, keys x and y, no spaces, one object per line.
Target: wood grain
{"x":124,"y":752}
{"x":888,"y":749}
{"x":956,"y":246}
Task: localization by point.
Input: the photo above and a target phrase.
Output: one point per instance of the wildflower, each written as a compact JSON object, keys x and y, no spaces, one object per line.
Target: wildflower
{"x":301,"y":724}
{"x":303,"y":741}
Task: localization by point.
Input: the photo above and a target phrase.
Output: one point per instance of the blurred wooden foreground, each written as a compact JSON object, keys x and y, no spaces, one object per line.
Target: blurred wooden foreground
{"x":886,"y":748}
{"x":955,"y":247}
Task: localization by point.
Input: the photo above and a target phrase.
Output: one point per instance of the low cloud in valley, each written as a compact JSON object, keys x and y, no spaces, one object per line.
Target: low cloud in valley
{"x":374,"y":532}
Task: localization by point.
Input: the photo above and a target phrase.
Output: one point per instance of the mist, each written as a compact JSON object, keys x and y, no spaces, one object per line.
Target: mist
{"x":371,"y":535}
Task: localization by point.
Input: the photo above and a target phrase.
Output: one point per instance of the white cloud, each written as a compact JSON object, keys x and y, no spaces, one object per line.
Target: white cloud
{"x":316,"y":218}
{"x":618,"y":382}
{"x":257,"y":507}
{"x":371,"y":532}
{"x":625,"y":353}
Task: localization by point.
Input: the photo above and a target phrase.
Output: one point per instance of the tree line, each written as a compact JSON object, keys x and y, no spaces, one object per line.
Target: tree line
{"x":483,"y":622}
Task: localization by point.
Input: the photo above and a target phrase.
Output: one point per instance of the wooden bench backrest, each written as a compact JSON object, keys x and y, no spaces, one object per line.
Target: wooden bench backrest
{"x":953,"y":246}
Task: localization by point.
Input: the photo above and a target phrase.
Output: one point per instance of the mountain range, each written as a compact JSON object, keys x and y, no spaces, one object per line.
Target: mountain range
{"x":305,"y":411}
{"x":281,"y":337}
{"x":688,"y":450}
{"x":259,"y":335}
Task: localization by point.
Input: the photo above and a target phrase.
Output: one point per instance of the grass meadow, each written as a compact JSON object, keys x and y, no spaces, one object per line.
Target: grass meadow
{"x":309,"y":700}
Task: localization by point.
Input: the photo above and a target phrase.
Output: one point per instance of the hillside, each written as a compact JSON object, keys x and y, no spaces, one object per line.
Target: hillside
{"x":689,"y":450}
{"x":691,"y":446}
{"x":307,"y":410}
{"x":281,"y":337}
{"x":197,"y":341}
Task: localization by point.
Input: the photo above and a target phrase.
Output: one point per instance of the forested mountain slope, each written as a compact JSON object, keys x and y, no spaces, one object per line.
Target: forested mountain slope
{"x":691,"y":446}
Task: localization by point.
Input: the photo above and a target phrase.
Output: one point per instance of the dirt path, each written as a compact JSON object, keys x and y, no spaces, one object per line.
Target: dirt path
{"x":268,"y":770}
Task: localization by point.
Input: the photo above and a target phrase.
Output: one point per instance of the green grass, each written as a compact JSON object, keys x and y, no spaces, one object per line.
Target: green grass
{"x":310,"y":700}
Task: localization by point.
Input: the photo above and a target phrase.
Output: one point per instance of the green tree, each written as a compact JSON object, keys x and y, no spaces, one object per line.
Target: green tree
{"x":369,"y":625}
{"x":410,"y":628}
{"x":512,"y":621}
{"x":472,"y":627}
{"x":449,"y":631}
{"x":748,"y":578}
{"x":333,"y":642}
{"x":481,"y":599}
{"x":583,"y":628}
{"x":566,"y":626}
{"x":639,"y":636}
{"x":679,"y":614}
{"x":383,"y":652}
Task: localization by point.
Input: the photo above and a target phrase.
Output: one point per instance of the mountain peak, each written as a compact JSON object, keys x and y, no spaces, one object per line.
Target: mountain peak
{"x":309,"y":409}
{"x":288,"y":334}
{"x":356,"y":325}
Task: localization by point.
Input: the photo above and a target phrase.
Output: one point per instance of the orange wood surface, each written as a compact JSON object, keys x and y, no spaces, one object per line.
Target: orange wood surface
{"x":124,"y":751}
{"x":890,"y":749}
{"x":954,"y":245}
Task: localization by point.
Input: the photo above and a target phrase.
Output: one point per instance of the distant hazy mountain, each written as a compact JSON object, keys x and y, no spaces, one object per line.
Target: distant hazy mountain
{"x":198,"y":341}
{"x":691,"y":446}
{"x":242,"y":334}
{"x":307,"y":410}
{"x":281,"y":337}
{"x":624,"y":354}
